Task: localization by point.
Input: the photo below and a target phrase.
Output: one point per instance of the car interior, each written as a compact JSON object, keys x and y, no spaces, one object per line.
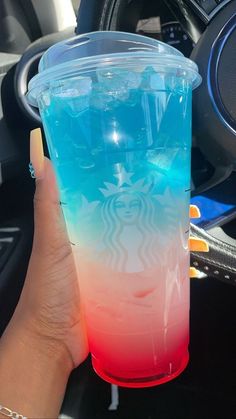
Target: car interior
{"x":205,"y":31}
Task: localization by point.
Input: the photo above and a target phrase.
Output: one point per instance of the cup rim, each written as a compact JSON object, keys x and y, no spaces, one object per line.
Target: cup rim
{"x":81,"y":66}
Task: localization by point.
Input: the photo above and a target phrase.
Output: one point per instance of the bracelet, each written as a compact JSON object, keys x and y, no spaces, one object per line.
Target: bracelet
{"x":10,"y":414}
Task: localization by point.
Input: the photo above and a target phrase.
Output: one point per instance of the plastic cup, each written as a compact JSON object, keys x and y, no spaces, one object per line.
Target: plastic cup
{"x":116,"y":110}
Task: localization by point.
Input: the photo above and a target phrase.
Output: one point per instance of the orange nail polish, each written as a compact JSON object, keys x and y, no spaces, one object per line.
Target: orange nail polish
{"x":194,"y":212}
{"x":198,"y":245}
{"x":193,"y":272}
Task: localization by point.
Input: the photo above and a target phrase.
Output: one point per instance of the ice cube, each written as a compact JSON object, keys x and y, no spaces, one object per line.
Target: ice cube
{"x":77,"y":86}
{"x":114,"y":85}
{"x":73,"y":94}
{"x":157,"y":81}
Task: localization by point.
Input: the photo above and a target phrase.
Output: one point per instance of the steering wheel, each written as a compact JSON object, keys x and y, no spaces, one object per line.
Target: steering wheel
{"x":211,"y":24}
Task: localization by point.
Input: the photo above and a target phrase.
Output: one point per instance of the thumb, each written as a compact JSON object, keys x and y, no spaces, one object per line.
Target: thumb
{"x":50,"y":236}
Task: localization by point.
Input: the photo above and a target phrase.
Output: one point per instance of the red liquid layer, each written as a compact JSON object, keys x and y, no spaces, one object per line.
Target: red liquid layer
{"x":138,"y":324}
{"x":139,"y":360}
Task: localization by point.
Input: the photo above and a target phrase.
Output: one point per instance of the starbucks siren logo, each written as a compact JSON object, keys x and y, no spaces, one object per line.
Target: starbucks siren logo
{"x":128,"y":215}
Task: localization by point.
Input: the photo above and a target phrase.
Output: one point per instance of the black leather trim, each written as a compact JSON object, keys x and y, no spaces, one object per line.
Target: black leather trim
{"x":220,"y":261}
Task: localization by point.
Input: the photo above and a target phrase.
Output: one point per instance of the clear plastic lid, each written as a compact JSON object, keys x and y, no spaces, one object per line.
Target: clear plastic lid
{"x":90,"y":51}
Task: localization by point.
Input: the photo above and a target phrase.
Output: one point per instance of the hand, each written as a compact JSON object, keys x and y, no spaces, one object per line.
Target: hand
{"x":49,"y":307}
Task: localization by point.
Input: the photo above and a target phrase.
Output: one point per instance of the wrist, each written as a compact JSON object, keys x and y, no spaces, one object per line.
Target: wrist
{"x":46,"y":349}
{"x":35,"y":371}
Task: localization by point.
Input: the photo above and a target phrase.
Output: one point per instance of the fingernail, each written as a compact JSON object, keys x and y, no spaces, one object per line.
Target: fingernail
{"x":193,"y":272}
{"x":194,"y":212}
{"x":36,"y":165}
{"x":198,"y":245}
